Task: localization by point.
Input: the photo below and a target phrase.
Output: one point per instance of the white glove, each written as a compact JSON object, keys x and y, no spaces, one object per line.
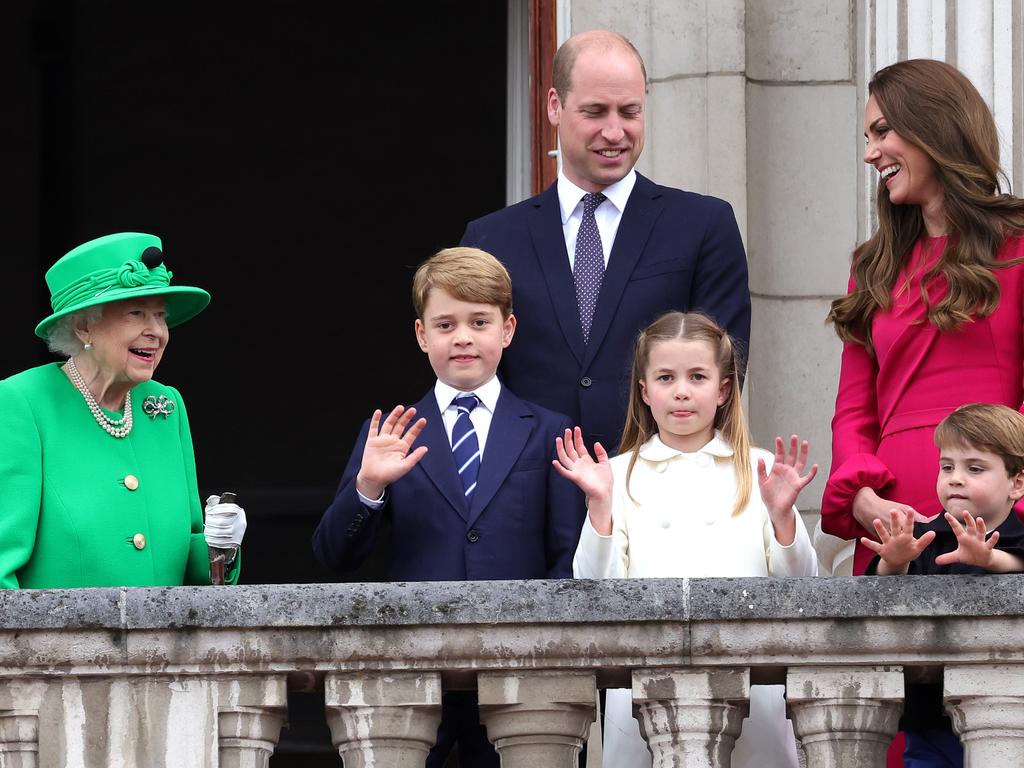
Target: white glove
{"x":225,"y":524}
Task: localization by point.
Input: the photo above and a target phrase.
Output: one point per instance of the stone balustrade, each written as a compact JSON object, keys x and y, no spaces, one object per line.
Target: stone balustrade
{"x":185,"y":677}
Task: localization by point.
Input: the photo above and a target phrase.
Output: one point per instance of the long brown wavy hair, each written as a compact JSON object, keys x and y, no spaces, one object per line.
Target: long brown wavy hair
{"x":935,"y":107}
{"x":729,"y":418}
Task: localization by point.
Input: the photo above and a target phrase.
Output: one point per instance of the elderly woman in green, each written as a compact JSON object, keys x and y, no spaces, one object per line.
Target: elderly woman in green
{"x":97,"y":474}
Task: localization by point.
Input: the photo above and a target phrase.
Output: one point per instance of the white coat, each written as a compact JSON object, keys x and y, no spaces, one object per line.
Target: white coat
{"x":679,"y":523}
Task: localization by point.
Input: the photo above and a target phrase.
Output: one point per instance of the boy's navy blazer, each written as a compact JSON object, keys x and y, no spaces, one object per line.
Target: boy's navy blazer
{"x":522,"y":522}
{"x":674,"y":250}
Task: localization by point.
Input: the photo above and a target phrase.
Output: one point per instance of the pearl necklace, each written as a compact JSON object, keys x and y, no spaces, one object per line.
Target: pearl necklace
{"x":113,"y":427}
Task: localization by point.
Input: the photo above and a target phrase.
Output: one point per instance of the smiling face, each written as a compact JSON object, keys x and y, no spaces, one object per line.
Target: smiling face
{"x":128,"y":340}
{"x":463,"y":340}
{"x":683,"y":388}
{"x":908,"y":171}
{"x":601,"y":120}
{"x":976,"y":481}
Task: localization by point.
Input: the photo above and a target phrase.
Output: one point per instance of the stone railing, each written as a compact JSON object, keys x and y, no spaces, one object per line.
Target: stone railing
{"x":198,"y":676}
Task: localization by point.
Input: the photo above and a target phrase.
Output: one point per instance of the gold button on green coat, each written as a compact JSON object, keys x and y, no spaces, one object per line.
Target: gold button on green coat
{"x":65,"y":515}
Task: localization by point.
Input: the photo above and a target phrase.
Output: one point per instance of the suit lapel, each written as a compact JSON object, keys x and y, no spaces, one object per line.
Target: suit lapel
{"x":511,"y":426}
{"x":642,"y":210}
{"x":439,"y":464}
{"x":545,"y":222}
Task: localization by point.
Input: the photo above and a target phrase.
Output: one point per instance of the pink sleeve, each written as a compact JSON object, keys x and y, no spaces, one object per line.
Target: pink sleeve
{"x":854,"y":443}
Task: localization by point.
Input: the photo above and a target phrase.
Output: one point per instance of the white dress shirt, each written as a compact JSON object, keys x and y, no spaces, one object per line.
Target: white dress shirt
{"x":607,"y":215}
{"x":480,"y":416}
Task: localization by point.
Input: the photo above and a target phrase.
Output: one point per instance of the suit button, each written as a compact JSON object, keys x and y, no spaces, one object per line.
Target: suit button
{"x":139,"y":541}
{"x":586,"y":381}
{"x":131,"y":482}
{"x":473,"y":536}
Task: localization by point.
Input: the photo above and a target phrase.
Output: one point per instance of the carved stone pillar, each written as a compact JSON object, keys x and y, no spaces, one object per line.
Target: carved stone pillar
{"x":986,"y":704}
{"x":19,"y":739}
{"x":691,"y":717}
{"x":19,"y":723}
{"x":845,"y":717}
{"x":250,"y":713}
{"x":379,"y":719}
{"x":537,"y":718}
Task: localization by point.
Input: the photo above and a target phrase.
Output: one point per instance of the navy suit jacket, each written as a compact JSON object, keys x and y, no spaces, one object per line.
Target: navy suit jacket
{"x":674,"y":250}
{"x":523,"y":520}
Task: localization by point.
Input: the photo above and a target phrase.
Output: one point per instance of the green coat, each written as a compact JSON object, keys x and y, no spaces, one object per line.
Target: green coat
{"x":67,"y":516}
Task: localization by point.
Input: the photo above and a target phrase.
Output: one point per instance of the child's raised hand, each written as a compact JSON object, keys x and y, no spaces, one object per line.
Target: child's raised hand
{"x":896,"y":544}
{"x":781,"y":486}
{"x":386,"y":455}
{"x":594,"y":478}
{"x":973,"y":549}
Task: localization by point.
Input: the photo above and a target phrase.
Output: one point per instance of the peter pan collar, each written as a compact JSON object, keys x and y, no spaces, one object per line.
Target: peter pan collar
{"x":655,"y":450}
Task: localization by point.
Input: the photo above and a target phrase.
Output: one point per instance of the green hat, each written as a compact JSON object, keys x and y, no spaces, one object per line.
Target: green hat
{"x":121,"y":266}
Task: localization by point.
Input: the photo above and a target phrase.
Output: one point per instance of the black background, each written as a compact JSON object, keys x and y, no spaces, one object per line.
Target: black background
{"x":298,"y":159}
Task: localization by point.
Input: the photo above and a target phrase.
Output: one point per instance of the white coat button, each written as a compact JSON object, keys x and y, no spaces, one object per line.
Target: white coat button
{"x":666,"y":524}
{"x":139,"y":541}
{"x":131,"y":482}
{"x":661,"y":467}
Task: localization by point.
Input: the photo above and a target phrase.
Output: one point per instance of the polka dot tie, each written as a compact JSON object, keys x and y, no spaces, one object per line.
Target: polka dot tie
{"x":588,"y":264}
{"x":465,"y":445}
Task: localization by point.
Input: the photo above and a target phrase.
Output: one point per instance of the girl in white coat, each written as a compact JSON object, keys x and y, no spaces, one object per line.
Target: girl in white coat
{"x":680,"y":501}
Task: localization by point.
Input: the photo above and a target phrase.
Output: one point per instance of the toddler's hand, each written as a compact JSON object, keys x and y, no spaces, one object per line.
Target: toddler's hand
{"x":973,"y":549}
{"x":896,"y":544}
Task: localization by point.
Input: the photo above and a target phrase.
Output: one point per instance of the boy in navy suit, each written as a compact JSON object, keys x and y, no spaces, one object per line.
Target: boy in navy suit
{"x":469,"y":486}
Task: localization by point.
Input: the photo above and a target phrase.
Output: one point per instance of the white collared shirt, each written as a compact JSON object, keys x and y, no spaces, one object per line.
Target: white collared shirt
{"x":480,"y":416}
{"x":608,"y":213}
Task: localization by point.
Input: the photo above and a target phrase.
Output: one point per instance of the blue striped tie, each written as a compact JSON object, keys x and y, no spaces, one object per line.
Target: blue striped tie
{"x":465,"y":446}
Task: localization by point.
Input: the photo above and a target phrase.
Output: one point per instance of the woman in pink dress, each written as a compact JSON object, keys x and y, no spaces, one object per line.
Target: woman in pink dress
{"x":935,"y":311}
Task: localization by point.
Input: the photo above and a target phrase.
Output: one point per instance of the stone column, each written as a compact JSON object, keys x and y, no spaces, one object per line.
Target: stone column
{"x":845,"y":717}
{"x":250,"y":713}
{"x":380,"y":719}
{"x":691,"y":717}
{"x":986,"y":703}
{"x":537,"y":718}
{"x":19,"y":738}
{"x":19,"y":723}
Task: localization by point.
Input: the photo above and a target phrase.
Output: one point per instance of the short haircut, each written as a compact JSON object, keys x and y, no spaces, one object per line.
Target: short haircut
{"x":569,"y":51}
{"x":993,"y":428}
{"x":468,"y":274}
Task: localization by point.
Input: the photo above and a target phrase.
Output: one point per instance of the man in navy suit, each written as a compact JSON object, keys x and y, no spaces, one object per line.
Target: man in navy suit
{"x":469,"y":486}
{"x":663,"y":249}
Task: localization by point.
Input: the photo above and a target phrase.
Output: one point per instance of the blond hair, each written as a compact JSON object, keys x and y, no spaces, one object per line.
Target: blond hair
{"x":468,"y":274}
{"x":988,"y":427}
{"x":729,"y":418}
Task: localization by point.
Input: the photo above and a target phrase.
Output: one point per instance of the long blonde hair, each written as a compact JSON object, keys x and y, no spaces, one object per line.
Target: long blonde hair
{"x":729,"y":418}
{"x":934,"y":107}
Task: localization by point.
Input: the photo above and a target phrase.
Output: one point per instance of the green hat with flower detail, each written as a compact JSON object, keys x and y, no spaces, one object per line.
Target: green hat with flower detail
{"x":125,"y":265}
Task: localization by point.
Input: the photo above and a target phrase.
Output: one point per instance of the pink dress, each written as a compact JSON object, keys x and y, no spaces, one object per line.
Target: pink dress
{"x":887,"y":407}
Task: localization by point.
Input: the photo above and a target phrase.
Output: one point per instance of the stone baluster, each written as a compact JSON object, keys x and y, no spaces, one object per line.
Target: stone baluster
{"x":19,"y":739}
{"x":383,"y":719}
{"x":537,"y":719}
{"x":250,"y":713}
{"x":845,"y":717}
{"x":986,"y":704}
{"x":691,"y":717}
{"x":19,"y":722}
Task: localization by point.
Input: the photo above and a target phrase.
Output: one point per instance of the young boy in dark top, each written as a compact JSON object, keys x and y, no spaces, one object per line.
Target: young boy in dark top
{"x":981,"y":477}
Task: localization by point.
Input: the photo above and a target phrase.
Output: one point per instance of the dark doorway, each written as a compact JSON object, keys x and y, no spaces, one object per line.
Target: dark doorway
{"x":298,"y":159}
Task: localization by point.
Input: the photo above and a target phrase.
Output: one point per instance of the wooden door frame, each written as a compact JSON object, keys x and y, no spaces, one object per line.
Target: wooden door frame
{"x":543,"y":137}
